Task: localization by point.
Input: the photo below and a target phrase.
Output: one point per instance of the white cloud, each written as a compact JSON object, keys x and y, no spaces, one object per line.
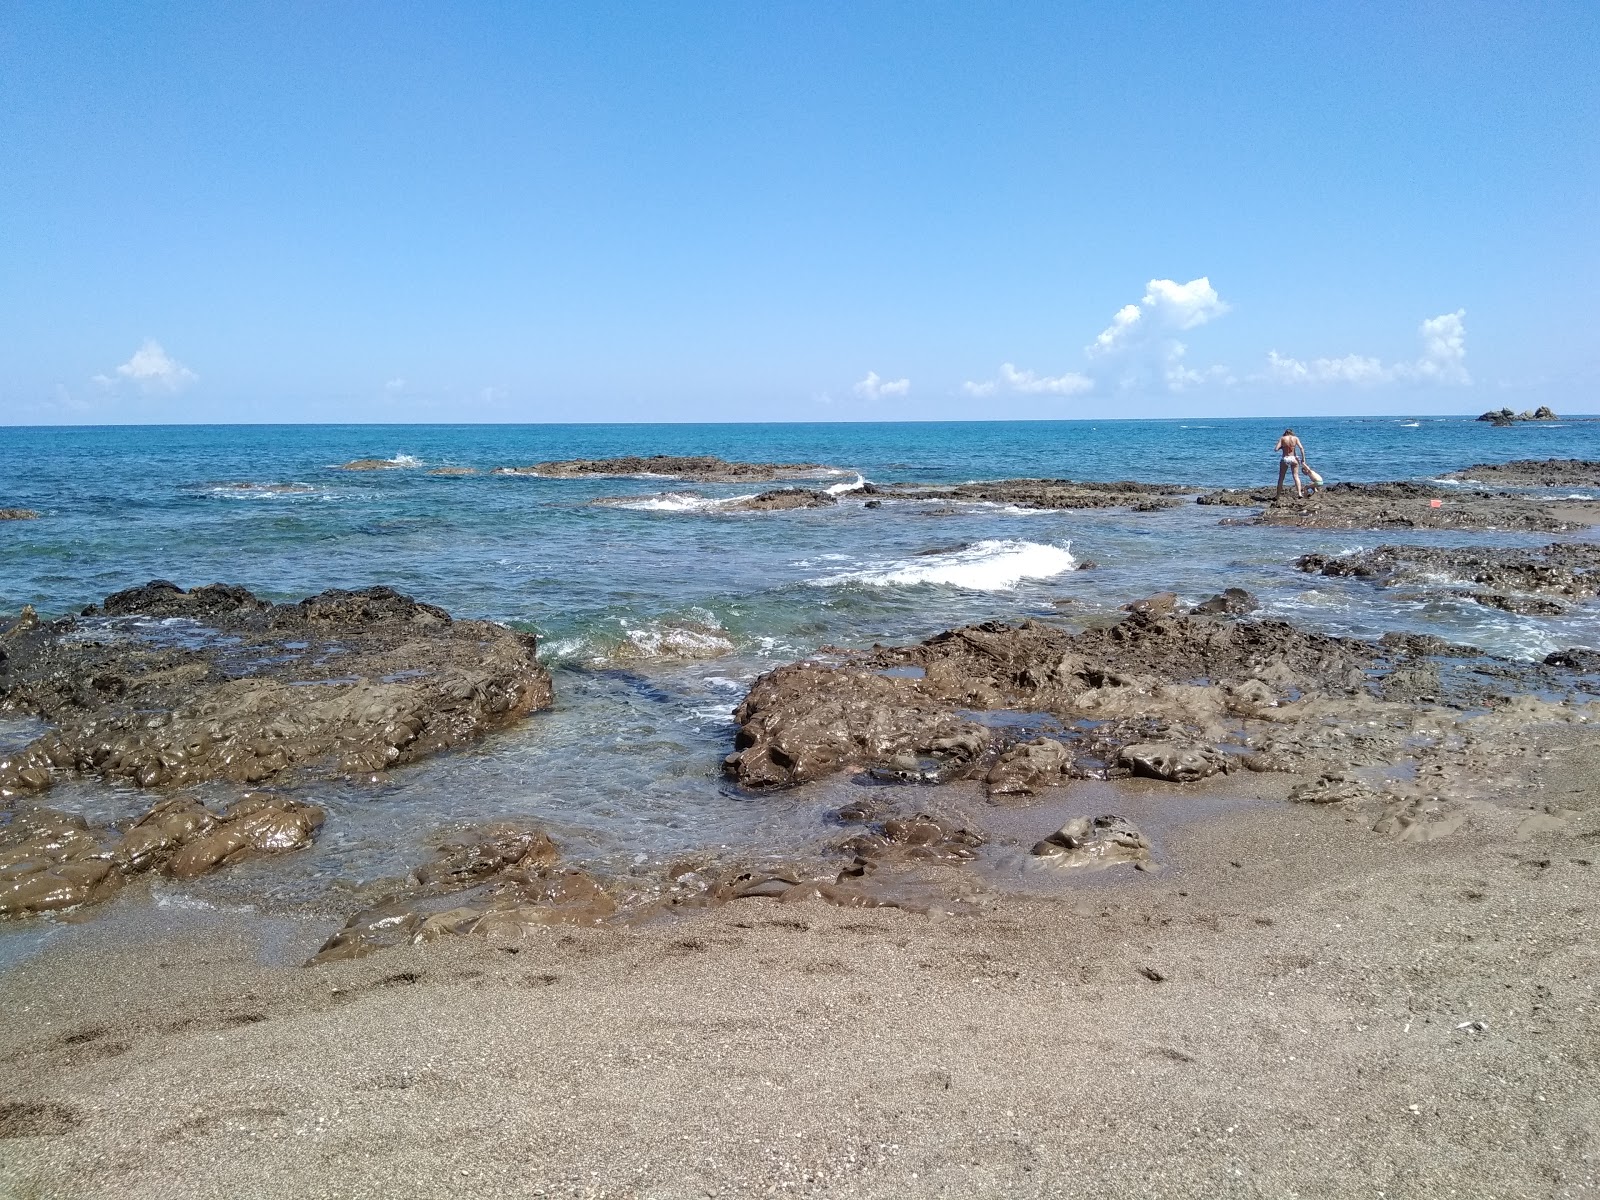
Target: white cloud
{"x":1443,"y":360}
{"x":1068,"y":384}
{"x":871,"y":388}
{"x":153,"y":369}
{"x":1168,"y":307}
{"x":395,"y":385}
{"x":1030,"y":383}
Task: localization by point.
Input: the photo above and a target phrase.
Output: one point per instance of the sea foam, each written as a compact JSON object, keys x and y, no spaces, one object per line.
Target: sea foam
{"x":992,"y":565}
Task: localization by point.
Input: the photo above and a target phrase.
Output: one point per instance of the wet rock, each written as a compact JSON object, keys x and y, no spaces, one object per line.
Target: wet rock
{"x":25,"y":622}
{"x":1407,"y":505}
{"x":698,"y":468}
{"x":500,"y":849}
{"x":1103,"y":841}
{"x":501,"y":888}
{"x":1237,"y":497}
{"x":1160,"y":605}
{"x":1046,"y":493}
{"x":245,"y":690}
{"x":1534,"y":472}
{"x":1332,"y":788}
{"x":18,"y":514}
{"x":1175,"y":764}
{"x":1230,"y":602}
{"x":51,"y":861}
{"x":918,"y":837}
{"x":1029,"y":768}
{"x":1502,"y":577}
{"x":454,"y":471}
{"x":260,"y":823}
{"x":368,"y":464}
{"x":782,"y":499}
{"x":161,"y":831}
{"x":1574,"y":659}
{"x":1532,"y":606}
{"x":810,"y":719}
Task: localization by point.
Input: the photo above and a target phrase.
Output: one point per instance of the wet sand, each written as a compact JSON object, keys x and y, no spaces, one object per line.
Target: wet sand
{"x":1296,"y":1006}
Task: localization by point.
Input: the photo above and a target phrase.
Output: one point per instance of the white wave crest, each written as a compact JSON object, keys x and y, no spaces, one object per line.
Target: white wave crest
{"x":674,"y":502}
{"x":840,"y":489}
{"x":992,"y":565}
{"x":404,"y":460}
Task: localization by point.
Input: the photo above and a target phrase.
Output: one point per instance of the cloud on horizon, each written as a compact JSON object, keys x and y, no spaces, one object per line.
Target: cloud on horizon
{"x":1137,"y":347}
{"x":1443,"y":361}
{"x":1030,"y":383}
{"x":1141,"y":349}
{"x":871,"y":388}
{"x":152,"y":369}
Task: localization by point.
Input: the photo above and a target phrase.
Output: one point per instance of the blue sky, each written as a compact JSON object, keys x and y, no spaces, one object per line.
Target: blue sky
{"x":810,"y":211}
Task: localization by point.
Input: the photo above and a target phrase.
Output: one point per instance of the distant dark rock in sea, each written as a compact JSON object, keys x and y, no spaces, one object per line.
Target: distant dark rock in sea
{"x":1505,"y":416}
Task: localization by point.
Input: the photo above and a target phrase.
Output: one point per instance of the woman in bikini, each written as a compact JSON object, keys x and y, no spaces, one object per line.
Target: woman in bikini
{"x":1291,"y":457}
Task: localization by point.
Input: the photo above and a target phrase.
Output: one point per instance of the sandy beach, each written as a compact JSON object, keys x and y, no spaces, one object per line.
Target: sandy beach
{"x":1297,"y":1007}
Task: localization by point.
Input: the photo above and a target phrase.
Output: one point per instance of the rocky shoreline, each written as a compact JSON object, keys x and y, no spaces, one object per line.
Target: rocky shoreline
{"x":163,"y":689}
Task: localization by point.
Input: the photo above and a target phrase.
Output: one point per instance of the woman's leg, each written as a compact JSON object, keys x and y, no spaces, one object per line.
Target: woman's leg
{"x":1282,"y":467}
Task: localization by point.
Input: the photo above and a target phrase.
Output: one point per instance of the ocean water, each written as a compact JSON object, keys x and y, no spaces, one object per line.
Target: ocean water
{"x":658,"y":609}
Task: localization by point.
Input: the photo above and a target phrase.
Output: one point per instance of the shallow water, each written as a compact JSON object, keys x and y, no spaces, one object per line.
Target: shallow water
{"x":657,"y":614}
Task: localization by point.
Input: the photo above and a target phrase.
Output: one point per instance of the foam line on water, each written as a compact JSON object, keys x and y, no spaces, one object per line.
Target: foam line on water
{"x":992,"y":565}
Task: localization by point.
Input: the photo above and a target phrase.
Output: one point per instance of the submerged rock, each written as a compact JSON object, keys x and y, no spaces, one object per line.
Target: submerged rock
{"x":1175,"y":764}
{"x":1103,"y":841}
{"x":1028,"y":768}
{"x":51,"y":861}
{"x":1541,"y":581}
{"x":369,"y":464}
{"x":697,"y":468}
{"x":239,"y":689}
{"x":500,"y":887}
{"x":1229,"y":602}
{"x":781,"y":499}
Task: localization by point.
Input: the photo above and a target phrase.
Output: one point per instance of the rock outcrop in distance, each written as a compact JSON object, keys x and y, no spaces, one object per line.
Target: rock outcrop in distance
{"x":18,"y":514}
{"x":698,"y":468}
{"x":243,"y":690}
{"x":1505,"y":416}
{"x":1041,"y":493}
{"x":1534,"y":472}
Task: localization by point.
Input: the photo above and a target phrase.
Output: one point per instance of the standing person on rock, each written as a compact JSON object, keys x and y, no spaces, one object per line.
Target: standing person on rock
{"x":1291,"y":457}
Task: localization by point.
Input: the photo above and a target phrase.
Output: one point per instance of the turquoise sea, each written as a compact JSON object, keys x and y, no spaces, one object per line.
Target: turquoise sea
{"x":657,"y":613}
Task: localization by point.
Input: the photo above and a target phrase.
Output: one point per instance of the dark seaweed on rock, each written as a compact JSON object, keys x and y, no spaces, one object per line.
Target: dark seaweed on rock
{"x":237,"y":688}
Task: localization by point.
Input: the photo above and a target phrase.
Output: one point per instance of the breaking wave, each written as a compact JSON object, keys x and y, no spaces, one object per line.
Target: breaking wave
{"x":992,"y":565}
